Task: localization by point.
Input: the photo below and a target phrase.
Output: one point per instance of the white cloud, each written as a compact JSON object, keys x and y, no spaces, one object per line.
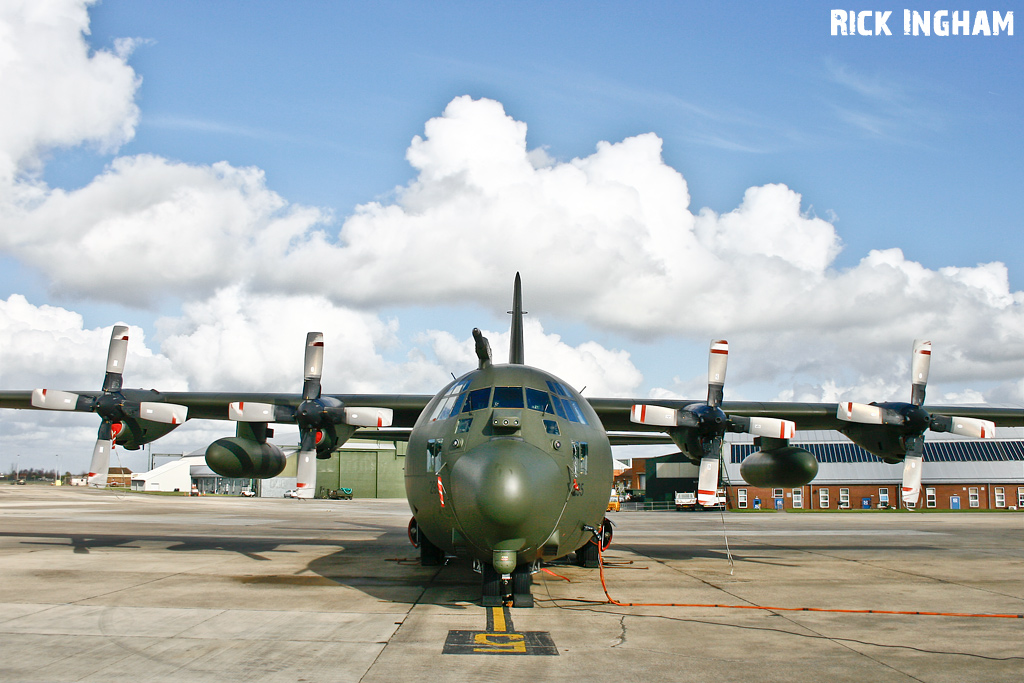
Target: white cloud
{"x":170,"y":229}
{"x":590,"y":366}
{"x":608,"y":239}
{"x":57,"y":90}
{"x":237,"y":341}
{"x":49,"y":347}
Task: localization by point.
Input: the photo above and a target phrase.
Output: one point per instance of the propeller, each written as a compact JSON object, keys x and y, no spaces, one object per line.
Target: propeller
{"x":911,"y":421}
{"x":111,"y":405}
{"x":705,"y":424}
{"x":317,"y":416}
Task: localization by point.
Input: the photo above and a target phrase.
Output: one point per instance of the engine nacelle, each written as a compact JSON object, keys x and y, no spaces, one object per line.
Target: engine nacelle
{"x":779,"y":465}
{"x":239,"y":457}
{"x":136,"y":433}
{"x":884,"y":441}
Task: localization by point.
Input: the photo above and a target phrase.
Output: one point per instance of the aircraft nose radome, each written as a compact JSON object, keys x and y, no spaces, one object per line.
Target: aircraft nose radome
{"x":500,"y":480}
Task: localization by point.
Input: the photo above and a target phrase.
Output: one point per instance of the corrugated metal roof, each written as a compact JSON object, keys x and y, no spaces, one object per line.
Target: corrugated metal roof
{"x":948,"y":460}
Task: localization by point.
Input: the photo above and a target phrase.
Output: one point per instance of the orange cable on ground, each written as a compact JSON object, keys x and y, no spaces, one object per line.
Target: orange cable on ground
{"x":548,"y":571}
{"x":613,"y":601}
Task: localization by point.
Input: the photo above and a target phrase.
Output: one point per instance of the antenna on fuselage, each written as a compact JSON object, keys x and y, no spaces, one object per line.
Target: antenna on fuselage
{"x":516,"y":353}
{"x":483,"y":348}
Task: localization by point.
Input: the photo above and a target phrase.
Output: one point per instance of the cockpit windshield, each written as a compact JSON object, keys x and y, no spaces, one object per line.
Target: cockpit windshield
{"x":457,"y":400}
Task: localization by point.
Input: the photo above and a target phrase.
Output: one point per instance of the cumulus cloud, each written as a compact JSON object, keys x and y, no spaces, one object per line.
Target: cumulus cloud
{"x":170,"y":229}
{"x":590,"y":366}
{"x":238,"y":341}
{"x":57,"y":90}
{"x":50,"y":347}
{"x":609,"y":239}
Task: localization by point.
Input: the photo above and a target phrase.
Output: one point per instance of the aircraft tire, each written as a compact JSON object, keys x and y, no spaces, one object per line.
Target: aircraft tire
{"x":587,"y":555}
{"x":491,"y":594}
{"x":430,"y":554}
{"x":522,"y":585}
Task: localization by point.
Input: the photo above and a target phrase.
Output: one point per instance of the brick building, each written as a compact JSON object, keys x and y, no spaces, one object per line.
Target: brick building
{"x":959,"y":474}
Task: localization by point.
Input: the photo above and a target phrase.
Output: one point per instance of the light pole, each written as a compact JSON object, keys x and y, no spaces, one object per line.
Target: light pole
{"x":56,"y":472}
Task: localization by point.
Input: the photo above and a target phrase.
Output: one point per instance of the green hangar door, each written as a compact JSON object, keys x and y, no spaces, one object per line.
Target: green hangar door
{"x":369,"y":473}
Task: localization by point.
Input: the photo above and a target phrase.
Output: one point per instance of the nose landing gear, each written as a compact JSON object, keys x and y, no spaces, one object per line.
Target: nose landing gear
{"x":503,"y":589}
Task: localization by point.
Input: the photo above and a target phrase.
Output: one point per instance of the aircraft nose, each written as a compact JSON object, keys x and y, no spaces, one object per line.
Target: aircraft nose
{"x":504,"y":481}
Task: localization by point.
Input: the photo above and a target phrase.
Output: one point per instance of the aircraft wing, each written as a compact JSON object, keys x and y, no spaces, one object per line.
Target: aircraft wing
{"x":214,"y":405}
{"x":615,"y":415}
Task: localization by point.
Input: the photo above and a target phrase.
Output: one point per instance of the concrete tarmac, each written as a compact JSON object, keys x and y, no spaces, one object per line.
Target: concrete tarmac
{"x":100,"y":586}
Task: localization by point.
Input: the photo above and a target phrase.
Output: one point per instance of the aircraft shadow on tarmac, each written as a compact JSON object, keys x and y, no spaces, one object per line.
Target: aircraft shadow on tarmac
{"x":762,"y":552}
{"x":386,"y":568}
{"x":378,"y":567}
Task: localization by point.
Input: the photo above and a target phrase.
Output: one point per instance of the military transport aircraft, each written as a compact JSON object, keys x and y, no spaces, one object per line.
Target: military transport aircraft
{"x":508,"y":466}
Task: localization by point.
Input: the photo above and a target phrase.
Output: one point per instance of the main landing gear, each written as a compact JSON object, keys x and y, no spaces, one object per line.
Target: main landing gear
{"x":587,"y":555}
{"x":499,"y":590}
{"x":430,"y":554}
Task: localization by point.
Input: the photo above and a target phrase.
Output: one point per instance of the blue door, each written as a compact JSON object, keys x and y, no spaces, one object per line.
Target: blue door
{"x":954,"y":502}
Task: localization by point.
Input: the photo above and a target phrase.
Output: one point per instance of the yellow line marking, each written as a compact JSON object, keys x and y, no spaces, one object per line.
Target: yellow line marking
{"x":498,"y":614}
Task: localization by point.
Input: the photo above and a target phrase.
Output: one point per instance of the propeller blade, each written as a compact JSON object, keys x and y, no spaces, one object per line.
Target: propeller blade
{"x":969,"y":426}
{"x":860,"y":412}
{"x":100,"y":463}
{"x":369,"y":417}
{"x":911,"y":488}
{"x":653,"y":415}
{"x":919,"y":365}
{"x":167,"y":413}
{"x":117,"y":352}
{"x":313,"y":366}
{"x":718,"y":361}
{"x":771,"y":427}
{"x":48,"y":399}
{"x":249,"y":411}
{"x":305,"y":473}
{"x":707,"y":481}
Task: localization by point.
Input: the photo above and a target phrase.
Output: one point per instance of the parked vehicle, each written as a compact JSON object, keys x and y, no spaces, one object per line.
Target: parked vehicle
{"x":686,"y":500}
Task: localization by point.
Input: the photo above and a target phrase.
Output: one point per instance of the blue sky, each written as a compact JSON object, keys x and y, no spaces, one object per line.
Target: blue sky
{"x":910,"y":143}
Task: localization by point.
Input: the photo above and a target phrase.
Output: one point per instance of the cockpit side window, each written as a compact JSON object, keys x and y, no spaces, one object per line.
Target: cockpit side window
{"x":452,"y":406}
{"x":508,"y":397}
{"x":538,"y":400}
{"x":478,"y":399}
{"x":568,"y":409}
{"x":559,"y":408}
{"x":557,"y":388}
{"x":573,"y":410}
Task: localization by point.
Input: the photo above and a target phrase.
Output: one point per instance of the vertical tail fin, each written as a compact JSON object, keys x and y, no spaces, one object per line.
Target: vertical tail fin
{"x":515,"y":350}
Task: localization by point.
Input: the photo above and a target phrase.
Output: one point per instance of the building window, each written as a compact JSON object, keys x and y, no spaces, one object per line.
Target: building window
{"x":777,"y":493}
{"x":1020,"y":497}
{"x":844,"y":498}
{"x":798,"y":498}
{"x":823,"y":498}
{"x":883,"y":497}
{"x":972,"y":496}
{"x":741,"y":498}
{"x":1000,"y":497}
{"x":929,"y":498}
